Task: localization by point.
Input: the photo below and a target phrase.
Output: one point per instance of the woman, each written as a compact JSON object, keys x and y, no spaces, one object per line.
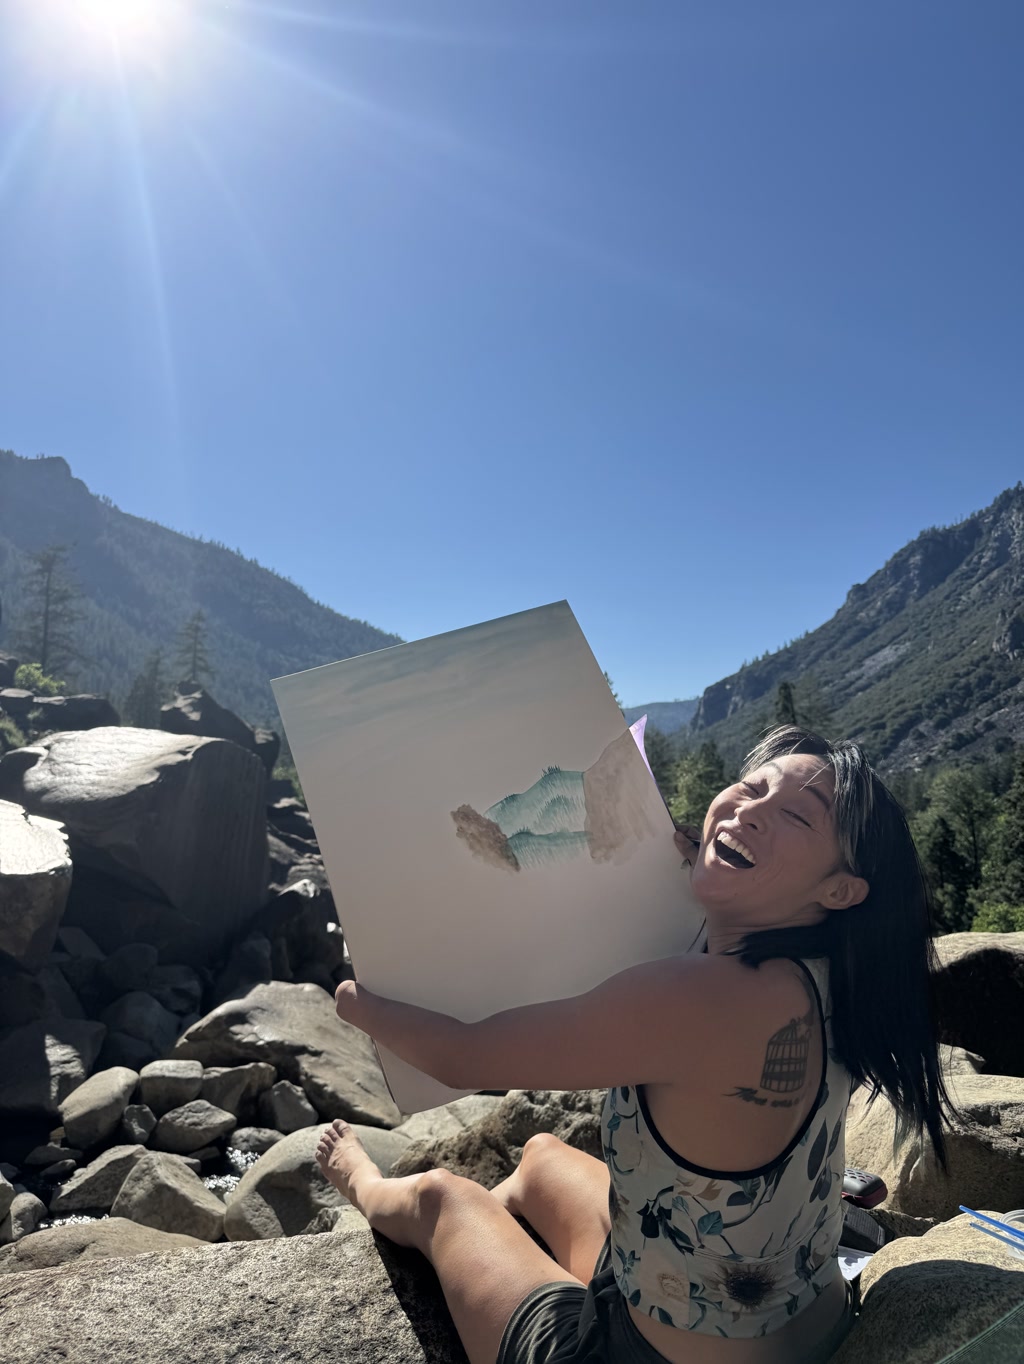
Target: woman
{"x":708,"y":1234}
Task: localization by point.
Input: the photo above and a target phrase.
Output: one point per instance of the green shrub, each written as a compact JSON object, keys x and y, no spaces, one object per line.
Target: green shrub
{"x":31,"y":677}
{"x":286,"y":771}
{"x":10,"y":735}
{"x":998,"y":917}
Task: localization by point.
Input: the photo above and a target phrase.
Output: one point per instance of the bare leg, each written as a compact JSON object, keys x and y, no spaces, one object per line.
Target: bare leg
{"x":563,"y":1194}
{"x":485,"y":1261}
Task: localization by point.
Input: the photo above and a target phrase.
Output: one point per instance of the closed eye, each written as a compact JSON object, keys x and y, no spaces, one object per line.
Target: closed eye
{"x":799,"y":817}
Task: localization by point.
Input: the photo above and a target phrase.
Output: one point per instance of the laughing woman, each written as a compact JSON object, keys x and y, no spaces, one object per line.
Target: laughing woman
{"x":708,"y":1234}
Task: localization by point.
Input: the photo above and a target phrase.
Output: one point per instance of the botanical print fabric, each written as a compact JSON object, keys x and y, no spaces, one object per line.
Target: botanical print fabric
{"x":722,"y":1254}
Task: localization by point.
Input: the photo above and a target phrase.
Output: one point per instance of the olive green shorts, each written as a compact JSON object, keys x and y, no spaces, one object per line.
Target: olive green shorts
{"x":565,"y":1323}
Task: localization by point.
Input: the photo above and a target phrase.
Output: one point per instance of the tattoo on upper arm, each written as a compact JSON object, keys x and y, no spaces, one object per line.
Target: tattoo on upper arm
{"x":785,"y":1062}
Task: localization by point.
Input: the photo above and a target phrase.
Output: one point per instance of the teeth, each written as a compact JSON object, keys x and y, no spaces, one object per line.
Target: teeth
{"x":741,"y":848}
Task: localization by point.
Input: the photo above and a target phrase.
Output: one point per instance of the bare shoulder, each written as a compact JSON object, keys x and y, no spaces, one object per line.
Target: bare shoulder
{"x":750,"y":1011}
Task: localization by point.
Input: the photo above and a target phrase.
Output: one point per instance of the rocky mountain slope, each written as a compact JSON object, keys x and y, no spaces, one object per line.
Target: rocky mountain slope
{"x":924,"y":660}
{"x":141,"y":581}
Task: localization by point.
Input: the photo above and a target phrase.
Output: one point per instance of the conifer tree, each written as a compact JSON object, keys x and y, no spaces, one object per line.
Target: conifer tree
{"x":143,"y":702}
{"x":49,"y":611}
{"x":1005,"y":879}
{"x":192,"y":660}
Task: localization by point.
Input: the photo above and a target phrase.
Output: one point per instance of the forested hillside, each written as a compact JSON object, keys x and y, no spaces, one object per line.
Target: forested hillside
{"x":923,"y":661}
{"x":140,"y":582}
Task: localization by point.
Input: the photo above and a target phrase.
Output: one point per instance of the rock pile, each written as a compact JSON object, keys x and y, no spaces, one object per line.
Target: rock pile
{"x":170,"y":1053}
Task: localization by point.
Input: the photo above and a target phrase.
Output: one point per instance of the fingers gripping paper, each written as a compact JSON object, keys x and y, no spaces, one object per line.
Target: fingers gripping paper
{"x":492,"y":833}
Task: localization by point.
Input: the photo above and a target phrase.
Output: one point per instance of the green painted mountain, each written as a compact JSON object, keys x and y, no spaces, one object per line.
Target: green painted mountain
{"x":924,"y":660}
{"x":140,"y":582}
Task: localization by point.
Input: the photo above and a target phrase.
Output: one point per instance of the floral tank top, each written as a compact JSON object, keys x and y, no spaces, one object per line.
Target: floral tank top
{"x":731,"y":1253}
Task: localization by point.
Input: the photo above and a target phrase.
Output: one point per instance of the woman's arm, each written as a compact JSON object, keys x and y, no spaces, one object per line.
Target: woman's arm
{"x":677,"y":1020}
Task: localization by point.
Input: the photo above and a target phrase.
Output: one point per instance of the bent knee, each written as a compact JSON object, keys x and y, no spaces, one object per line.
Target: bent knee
{"x":440,"y":1186}
{"x":541,"y":1145}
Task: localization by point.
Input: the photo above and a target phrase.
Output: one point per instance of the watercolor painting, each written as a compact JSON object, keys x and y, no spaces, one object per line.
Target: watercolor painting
{"x":490,"y":829}
{"x":563,"y":815}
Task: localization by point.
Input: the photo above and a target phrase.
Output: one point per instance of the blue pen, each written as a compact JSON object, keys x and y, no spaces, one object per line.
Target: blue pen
{"x":1017,"y":1246}
{"x":1003,"y":1226}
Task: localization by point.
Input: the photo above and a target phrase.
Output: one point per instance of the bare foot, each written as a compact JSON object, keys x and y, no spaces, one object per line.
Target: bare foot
{"x":343,"y":1161}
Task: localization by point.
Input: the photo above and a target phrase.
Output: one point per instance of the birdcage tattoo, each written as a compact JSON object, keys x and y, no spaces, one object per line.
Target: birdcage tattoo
{"x":785,"y":1063}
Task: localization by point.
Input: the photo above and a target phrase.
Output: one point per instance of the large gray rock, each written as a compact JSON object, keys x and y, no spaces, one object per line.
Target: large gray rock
{"x":182,"y":819}
{"x":262,"y":1302}
{"x":191,"y":1127}
{"x":162,"y":1192}
{"x":42,"y":1062}
{"x":236,"y":1087}
{"x":985,"y":1152}
{"x":168,"y":1084}
{"x":195,"y":712}
{"x":296,"y":1029}
{"x":925,"y":1296}
{"x":987,"y":967}
{"x":35,"y":877}
{"x":75,"y":712}
{"x":282,"y":1193}
{"x":75,"y":1242}
{"x":96,"y":1185}
{"x":91,"y":1112}
{"x":23,"y":1216}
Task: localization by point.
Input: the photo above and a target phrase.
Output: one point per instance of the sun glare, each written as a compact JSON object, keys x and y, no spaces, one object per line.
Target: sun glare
{"x":127,"y":29}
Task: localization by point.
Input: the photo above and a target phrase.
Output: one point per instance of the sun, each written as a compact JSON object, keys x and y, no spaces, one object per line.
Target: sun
{"x":124,"y":30}
{"x":130,"y":25}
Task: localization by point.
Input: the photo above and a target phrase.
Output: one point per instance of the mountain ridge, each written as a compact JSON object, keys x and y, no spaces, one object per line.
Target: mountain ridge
{"x":140,"y":581}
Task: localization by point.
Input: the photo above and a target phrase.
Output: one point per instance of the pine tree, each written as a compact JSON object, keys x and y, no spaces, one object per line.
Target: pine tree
{"x":144,"y":699}
{"x":698,"y":778}
{"x":192,"y":661}
{"x":1005,"y":874}
{"x":49,"y":611}
{"x":785,"y":705}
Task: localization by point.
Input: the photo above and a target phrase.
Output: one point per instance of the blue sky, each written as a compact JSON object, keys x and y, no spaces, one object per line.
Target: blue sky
{"x":690,"y":313}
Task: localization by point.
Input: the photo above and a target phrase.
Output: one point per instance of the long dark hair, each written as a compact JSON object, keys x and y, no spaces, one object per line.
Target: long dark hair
{"x":881,"y":953}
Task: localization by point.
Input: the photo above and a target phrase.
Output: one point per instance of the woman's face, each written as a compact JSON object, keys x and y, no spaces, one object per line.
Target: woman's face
{"x":769,"y":855}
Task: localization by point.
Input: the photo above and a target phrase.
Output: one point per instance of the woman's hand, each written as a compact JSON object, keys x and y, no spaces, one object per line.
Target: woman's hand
{"x":688,"y":837}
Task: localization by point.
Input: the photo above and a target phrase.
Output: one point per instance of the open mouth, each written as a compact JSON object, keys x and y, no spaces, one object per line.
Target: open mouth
{"x":730,"y":856}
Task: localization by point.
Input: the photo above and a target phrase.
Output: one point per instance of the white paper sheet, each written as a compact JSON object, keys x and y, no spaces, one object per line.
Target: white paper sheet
{"x":491,"y":831}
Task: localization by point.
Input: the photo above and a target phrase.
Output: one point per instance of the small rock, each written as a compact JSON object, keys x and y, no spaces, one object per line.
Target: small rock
{"x":77,"y":943}
{"x":161,"y":1193}
{"x":130,"y":966}
{"x":286,"y":1108}
{"x":345,"y":1218}
{"x":177,"y":988}
{"x":169,"y":1084}
{"x":137,"y":1124}
{"x":121,"y":1050}
{"x":205,"y":1154}
{"x":254,"y":1140}
{"x":6,"y":1196}
{"x":51,"y":1151}
{"x":91,"y":1112}
{"x":193,"y":1125}
{"x":234,"y":1087}
{"x":139,"y":1015}
{"x":23,"y":1216}
{"x":59,"y":1170}
{"x":95,"y":1187}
